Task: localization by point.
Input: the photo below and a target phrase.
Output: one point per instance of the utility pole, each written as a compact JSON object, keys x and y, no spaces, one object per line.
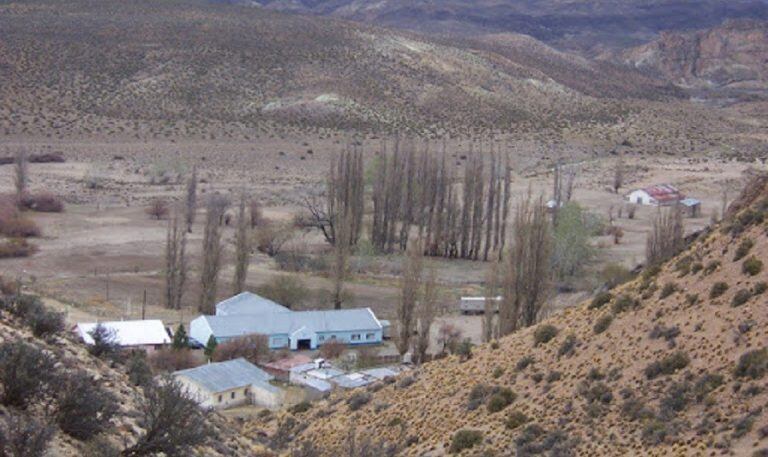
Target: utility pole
{"x":144,"y":305}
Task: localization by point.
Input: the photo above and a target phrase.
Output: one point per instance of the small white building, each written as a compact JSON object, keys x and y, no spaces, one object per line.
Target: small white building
{"x":228,"y":384}
{"x":476,"y":305}
{"x":147,"y":335}
{"x":658,"y":195}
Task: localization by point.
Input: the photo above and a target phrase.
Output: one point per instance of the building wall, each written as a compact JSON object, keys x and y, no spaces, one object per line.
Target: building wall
{"x":349,"y":337}
{"x":199,"y":330}
{"x":642,"y":197}
{"x":206,"y":399}
{"x":268,"y":398}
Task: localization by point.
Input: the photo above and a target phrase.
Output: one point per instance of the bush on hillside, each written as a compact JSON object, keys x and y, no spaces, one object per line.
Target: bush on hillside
{"x":45,"y":323}
{"x":711,"y":267}
{"x":752,"y":266}
{"x":516,"y":419}
{"x":603,"y":323}
{"x":743,"y":249}
{"x":759,"y":288}
{"x":544,"y":334}
{"x":668,"y":289}
{"x":139,"y":372}
{"x":601,"y":300}
{"x":753,"y":364}
{"x":741,"y":297}
{"x":568,"y":346}
{"x":16,"y":247}
{"x":44,"y":202}
{"x":358,"y":400}
{"x":83,"y":408}
{"x":718,"y":289}
{"x":104,"y":342}
{"x":668,"y":365}
{"x":624,"y":303}
{"x":25,"y":373}
{"x":500,"y":399}
{"x":22,"y":436}
{"x":465,"y":439}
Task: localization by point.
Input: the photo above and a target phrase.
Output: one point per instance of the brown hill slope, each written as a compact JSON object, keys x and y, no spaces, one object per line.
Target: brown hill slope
{"x":731,"y":56}
{"x":187,"y":68}
{"x":679,"y":368}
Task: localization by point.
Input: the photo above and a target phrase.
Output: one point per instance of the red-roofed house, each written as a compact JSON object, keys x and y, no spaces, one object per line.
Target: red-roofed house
{"x":658,"y":195}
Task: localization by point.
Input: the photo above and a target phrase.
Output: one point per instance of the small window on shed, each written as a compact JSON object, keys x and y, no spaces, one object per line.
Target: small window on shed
{"x":370,"y":336}
{"x":321,"y":338}
{"x":232,"y":395}
{"x":356,"y":337}
{"x":220,"y":398}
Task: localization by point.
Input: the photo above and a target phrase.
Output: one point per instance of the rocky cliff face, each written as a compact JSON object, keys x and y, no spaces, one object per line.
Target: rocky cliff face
{"x":733,"y":55}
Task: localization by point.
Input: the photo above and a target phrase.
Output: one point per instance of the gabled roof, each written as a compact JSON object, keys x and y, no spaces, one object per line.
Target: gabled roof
{"x":664,"y":192}
{"x":129,"y":333}
{"x":327,"y":321}
{"x":248,"y":303}
{"x":232,"y":374}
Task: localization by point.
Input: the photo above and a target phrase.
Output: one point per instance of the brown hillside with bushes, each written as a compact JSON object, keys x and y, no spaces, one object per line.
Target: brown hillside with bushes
{"x":674,"y":362}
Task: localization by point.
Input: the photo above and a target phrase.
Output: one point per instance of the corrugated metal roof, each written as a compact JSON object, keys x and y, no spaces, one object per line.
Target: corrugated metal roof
{"x":248,"y":303}
{"x":232,"y":374}
{"x":663,"y":192}
{"x":286,"y":323}
{"x":380,"y":373}
{"x":352,"y":380}
{"x":129,"y":333}
{"x":690,"y":202}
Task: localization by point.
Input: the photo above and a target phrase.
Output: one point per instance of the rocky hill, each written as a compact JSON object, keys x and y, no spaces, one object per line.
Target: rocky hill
{"x":674,"y":362}
{"x":731,"y":56}
{"x":583,"y":25}
{"x":197,"y":70}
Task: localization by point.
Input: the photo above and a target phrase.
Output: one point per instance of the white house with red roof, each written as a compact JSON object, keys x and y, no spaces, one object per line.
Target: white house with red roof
{"x":657,"y":195}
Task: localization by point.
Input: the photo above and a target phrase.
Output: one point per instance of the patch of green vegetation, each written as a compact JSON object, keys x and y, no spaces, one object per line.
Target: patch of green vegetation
{"x":465,"y":439}
{"x":741,"y":297}
{"x":603,"y":323}
{"x":568,"y":346}
{"x":668,"y":365}
{"x":668,"y":289}
{"x":718,"y":289}
{"x":516,"y":419}
{"x":752,"y":266}
{"x":544,"y":334}
{"x":500,"y":400}
{"x":711,"y":267}
{"x":743,"y":249}
{"x":624,"y":303}
{"x":601,"y":300}
{"x":753,"y":364}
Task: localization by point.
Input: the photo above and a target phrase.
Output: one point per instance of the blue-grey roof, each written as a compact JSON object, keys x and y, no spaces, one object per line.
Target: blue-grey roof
{"x":248,"y":303}
{"x":232,"y":374}
{"x":329,"y":321}
{"x":690,"y":202}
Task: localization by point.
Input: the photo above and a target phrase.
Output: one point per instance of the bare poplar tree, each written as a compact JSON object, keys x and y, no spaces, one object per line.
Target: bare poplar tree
{"x":490,"y":305}
{"x":212,"y":250}
{"x":175,"y":262}
{"x":410,"y":283}
{"x":618,"y":175}
{"x":21,"y":174}
{"x":426,"y":311}
{"x":190,"y":209}
{"x":528,"y":273}
{"x":242,"y":246}
{"x":666,"y":237}
{"x":340,"y":266}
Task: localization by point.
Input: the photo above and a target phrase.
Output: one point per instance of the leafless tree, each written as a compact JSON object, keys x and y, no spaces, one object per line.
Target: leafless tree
{"x":340,"y":266}
{"x":666,"y":237}
{"x":618,"y":175}
{"x":212,"y":252}
{"x":410,"y":284}
{"x":21,"y":174}
{"x":254,"y":209}
{"x":191,"y":200}
{"x":528,"y":273}
{"x":491,"y":304}
{"x":242,"y":246}
{"x":158,"y":208}
{"x":175,"y":262}
{"x":426,"y":311}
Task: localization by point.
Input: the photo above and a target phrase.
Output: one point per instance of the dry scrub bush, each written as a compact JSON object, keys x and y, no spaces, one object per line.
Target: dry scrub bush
{"x":668,"y":365}
{"x":603,"y":323}
{"x":16,"y":247}
{"x":544,"y":333}
{"x":753,"y":364}
{"x":22,"y":436}
{"x":254,"y":348}
{"x":332,"y":349}
{"x":752,"y":266}
{"x":718,"y":289}
{"x":25,"y":373}
{"x":83,"y":408}
{"x":43,"y":202}
{"x":465,"y":439}
{"x":158,"y":209}
{"x":741,"y":297}
{"x":169,"y":360}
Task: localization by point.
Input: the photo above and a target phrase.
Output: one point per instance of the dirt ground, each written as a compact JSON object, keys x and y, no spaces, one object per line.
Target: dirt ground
{"x":104,"y":255}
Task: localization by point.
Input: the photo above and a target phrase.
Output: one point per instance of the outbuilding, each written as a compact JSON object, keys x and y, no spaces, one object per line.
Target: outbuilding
{"x":657,"y":195}
{"x":147,"y":335}
{"x":228,"y":384}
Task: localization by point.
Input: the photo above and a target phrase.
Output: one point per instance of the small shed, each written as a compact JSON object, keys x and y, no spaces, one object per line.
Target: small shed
{"x":147,"y":335}
{"x":691,"y":206}
{"x":657,"y":195}
{"x":281,"y":368}
{"x":228,"y":384}
{"x":476,"y":305}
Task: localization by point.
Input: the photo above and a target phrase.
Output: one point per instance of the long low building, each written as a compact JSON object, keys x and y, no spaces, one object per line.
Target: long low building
{"x":293,"y":329}
{"x":148,"y":335}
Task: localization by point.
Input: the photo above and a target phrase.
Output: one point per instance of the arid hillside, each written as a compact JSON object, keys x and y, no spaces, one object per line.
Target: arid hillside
{"x":730,"y":56}
{"x":674,"y":362}
{"x":211,"y":72}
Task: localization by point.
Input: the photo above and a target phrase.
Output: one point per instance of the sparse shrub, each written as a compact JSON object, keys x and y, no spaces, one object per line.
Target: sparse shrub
{"x":286,"y":290}
{"x":696,"y":267}
{"x":301,"y":407}
{"x":172,"y":421}
{"x":743,"y":249}
{"x":601,"y":300}
{"x":691,"y":299}
{"x":358,"y":400}
{"x":272,"y":237}
{"x":25,"y":372}
{"x":465,"y":439}
{"x":516,"y":419}
{"x":406,"y":382}
{"x":494,"y":344}
{"x":554,"y":376}
{"x":668,"y":365}
{"x":743,"y":425}
{"x":668,"y":333}
{"x":500,"y":400}
{"x":104,"y":343}
{"x":544,"y":333}
{"x":603,"y":323}
{"x":595,"y":374}
{"x":624,"y":303}
{"x":19,"y":227}
{"x":676,"y":399}
{"x":753,"y":364}
{"x":683,"y":265}
{"x":615,"y":274}
{"x":752,"y":266}
{"x":158,"y":209}
{"x":83,"y":409}
{"x":651,"y":272}
{"x":16,"y":247}
{"x":568,"y":346}
{"x":759,"y":288}
{"x":169,"y":360}
{"x":44,"y":202}
{"x":45,"y":323}
{"x":718,"y":289}
{"x":711,"y":267}
{"x":497,"y":372}
{"x":139,"y":373}
{"x":332,"y":349}
{"x":657,"y":431}
{"x":464,"y":349}
{"x":524,"y":362}
{"x":254,"y":348}
{"x":634,"y":409}
{"x":22,"y":436}
{"x":668,"y":289}
{"x":741,"y":297}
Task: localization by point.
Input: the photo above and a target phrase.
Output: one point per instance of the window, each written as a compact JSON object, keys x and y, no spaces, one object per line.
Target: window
{"x":370,"y":336}
{"x":356,"y":337}
{"x":219,"y":398}
{"x":333,"y":337}
{"x":321,"y":338}
{"x":245,"y":392}
{"x":232,"y":395}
